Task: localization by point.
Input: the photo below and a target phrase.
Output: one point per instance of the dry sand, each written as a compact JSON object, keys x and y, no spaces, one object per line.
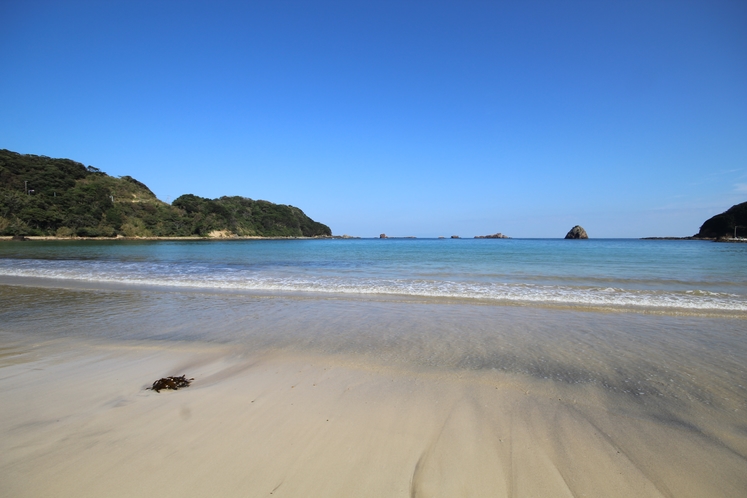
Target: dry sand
{"x":76,"y":420}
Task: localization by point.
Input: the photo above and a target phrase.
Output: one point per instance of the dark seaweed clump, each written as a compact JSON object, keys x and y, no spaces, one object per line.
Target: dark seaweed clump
{"x":171,"y":383}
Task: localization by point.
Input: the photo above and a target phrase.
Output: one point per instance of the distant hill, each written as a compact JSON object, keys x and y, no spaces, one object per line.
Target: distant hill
{"x":722,"y":225}
{"x":44,"y":196}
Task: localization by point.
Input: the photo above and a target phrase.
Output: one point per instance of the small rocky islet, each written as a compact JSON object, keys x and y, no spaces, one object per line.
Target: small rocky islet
{"x":494,"y":236}
{"x":577,"y":232}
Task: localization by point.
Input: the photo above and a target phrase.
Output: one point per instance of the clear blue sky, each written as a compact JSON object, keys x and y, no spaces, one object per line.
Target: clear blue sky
{"x":411,"y":118}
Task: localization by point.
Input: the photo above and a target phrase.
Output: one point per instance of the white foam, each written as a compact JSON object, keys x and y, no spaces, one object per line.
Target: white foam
{"x":196,"y":276}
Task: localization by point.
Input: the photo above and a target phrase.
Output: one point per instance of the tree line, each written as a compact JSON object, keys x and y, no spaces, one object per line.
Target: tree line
{"x":40,"y":195}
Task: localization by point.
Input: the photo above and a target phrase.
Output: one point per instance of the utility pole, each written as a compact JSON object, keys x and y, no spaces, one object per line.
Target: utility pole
{"x":26,"y":186}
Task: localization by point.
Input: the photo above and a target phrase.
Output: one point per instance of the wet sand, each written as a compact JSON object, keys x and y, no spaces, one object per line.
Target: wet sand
{"x":399,"y":399}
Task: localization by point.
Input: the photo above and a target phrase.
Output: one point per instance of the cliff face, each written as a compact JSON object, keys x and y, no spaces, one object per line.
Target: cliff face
{"x":722,"y":225}
{"x":44,"y":196}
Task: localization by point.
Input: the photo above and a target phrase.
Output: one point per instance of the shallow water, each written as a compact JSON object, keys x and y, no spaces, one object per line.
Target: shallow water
{"x":659,"y":361}
{"x":657,"y":276}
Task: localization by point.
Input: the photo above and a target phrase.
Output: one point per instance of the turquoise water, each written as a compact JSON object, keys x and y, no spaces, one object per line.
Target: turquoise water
{"x":667,"y":276}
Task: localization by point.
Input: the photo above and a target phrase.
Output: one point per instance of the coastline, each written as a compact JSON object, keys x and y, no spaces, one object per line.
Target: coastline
{"x":677,"y":238}
{"x":310,"y":296}
{"x":119,"y":237}
{"x":709,"y":239}
{"x":352,"y":398}
{"x":320,"y":237}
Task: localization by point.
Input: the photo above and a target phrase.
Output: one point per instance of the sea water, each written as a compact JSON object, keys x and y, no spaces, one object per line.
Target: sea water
{"x":675,"y":277}
{"x":612,"y":312}
{"x":649,"y":333}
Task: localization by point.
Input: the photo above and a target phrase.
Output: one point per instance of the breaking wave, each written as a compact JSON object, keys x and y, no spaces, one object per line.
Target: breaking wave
{"x":201,"y":276}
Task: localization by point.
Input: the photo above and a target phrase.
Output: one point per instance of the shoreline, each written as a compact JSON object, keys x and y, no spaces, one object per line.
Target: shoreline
{"x":30,"y":238}
{"x":194,"y":238}
{"x":710,"y":239}
{"x":93,"y":286}
{"x":325,"y":397}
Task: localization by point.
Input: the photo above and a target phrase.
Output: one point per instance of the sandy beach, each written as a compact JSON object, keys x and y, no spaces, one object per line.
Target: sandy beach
{"x":77,"y":420}
{"x":306,"y":390}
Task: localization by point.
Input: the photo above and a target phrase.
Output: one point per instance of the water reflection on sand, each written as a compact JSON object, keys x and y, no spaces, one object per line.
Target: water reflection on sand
{"x":647,"y":385}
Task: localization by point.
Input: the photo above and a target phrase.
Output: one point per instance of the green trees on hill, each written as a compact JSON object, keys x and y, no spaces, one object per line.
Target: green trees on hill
{"x":244,"y":216}
{"x":44,"y":196}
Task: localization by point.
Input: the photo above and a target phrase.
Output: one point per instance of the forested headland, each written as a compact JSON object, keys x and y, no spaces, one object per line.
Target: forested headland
{"x":40,"y":195}
{"x":730,"y":223}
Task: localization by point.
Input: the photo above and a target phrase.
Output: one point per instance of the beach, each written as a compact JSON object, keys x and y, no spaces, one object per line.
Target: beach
{"x":373,"y":368}
{"x":335,"y":396}
{"x":373,"y":249}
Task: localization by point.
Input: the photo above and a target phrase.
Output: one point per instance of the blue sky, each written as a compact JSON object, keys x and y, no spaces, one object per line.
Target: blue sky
{"x":410,"y":118}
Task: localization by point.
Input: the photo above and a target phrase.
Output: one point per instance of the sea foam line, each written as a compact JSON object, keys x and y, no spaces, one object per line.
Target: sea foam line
{"x":153,"y":274}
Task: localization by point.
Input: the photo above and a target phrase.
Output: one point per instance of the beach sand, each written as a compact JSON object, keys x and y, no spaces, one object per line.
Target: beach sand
{"x":329,"y":396}
{"x":76,"y":420}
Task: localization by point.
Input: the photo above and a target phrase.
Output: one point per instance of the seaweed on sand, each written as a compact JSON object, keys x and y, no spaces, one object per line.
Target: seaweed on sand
{"x":171,"y":383}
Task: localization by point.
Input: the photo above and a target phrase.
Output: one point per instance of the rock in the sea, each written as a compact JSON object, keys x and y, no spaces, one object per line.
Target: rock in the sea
{"x":383,"y":236}
{"x":455,"y":236}
{"x":498,"y":235}
{"x":577,"y":232}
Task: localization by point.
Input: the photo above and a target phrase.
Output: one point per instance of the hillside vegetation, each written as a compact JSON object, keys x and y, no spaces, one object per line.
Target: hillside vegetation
{"x":44,"y":196}
{"x":722,"y":225}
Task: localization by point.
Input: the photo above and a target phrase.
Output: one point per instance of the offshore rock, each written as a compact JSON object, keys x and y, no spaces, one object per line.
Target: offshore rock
{"x":383,"y":236}
{"x":577,"y":232}
{"x":498,"y":235}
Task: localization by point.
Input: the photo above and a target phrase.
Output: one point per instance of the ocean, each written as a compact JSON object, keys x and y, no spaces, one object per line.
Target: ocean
{"x":627,"y":315}
{"x":671,"y":277}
